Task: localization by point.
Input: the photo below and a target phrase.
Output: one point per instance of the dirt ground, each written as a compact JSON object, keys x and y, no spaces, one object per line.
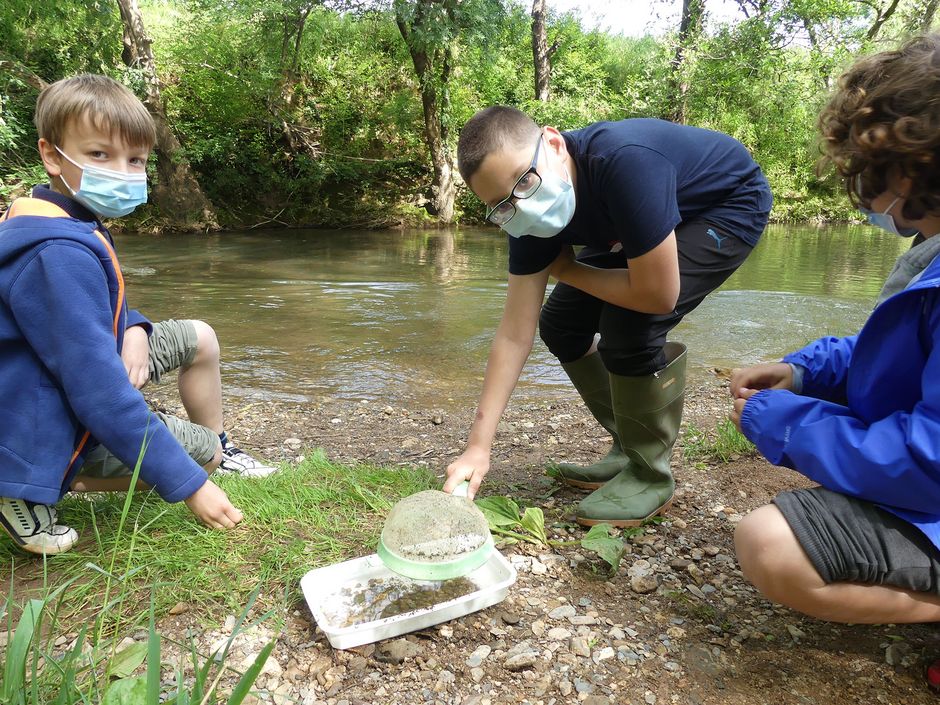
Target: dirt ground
{"x":696,"y":634}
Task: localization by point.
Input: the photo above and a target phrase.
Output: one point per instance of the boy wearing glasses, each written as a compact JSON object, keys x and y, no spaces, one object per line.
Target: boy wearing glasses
{"x":665,"y":213}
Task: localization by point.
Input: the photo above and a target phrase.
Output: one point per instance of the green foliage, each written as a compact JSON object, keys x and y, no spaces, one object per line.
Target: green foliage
{"x":309,"y":111}
{"x":512,"y":525}
{"x":723,"y":444}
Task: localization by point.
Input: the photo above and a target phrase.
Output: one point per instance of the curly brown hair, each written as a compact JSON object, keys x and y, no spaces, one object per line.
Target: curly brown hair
{"x":883,"y":122}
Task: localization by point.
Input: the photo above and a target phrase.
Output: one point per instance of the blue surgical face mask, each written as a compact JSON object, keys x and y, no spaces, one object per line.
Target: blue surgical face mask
{"x":105,"y":192}
{"x":885,"y":221}
{"x":547,"y":211}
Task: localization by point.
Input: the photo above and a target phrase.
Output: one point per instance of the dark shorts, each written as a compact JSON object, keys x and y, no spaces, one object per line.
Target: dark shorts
{"x":632,"y":342}
{"x":851,"y":540}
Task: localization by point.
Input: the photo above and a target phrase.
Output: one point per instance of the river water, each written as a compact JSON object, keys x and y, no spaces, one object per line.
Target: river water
{"x":408,"y":316}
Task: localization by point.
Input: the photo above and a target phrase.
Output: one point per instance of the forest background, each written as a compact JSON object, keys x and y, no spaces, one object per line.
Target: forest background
{"x":345,"y":113}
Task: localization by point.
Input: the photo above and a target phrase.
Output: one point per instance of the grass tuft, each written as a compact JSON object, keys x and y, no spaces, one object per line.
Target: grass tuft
{"x":723,"y":444}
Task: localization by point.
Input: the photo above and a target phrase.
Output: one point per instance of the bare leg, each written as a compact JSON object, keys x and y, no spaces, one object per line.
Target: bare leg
{"x":773,"y":560}
{"x":86,"y":483}
{"x":200,"y":383}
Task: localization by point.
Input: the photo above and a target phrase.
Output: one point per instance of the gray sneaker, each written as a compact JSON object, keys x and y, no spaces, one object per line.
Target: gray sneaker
{"x":237,"y":462}
{"x":33,"y":527}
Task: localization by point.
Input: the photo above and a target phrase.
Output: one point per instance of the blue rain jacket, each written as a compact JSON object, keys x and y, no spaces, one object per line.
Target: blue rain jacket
{"x":867,"y":423}
{"x":62,"y":381}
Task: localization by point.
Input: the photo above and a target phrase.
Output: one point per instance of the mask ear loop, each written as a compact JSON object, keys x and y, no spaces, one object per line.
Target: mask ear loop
{"x":73,"y":163}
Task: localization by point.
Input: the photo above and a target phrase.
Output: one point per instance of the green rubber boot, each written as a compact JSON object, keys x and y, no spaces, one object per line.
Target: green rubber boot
{"x":592,"y":380}
{"x":648,"y":411}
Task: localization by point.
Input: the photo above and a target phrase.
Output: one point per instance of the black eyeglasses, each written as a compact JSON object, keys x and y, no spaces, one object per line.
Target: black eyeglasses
{"x":525,"y":187}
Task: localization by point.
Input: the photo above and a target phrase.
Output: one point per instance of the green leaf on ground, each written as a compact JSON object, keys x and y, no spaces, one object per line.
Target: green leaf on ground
{"x":499,"y":511}
{"x":533,"y":521}
{"x":600,"y":541}
{"x":126,"y":661}
{"x":127,"y":691}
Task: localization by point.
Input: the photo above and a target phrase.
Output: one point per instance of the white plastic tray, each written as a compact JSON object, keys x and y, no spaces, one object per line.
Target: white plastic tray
{"x":327,"y":591}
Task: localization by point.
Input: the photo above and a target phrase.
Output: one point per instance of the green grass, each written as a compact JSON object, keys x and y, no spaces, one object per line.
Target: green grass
{"x":724,"y":443}
{"x":138,"y":556}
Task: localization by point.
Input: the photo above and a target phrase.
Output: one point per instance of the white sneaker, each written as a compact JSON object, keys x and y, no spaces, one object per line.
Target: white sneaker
{"x":237,"y":462}
{"x":33,"y":526}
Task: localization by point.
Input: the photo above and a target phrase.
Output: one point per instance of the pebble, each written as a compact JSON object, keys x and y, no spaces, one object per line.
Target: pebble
{"x":558,"y":634}
{"x":396,"y":651}
{"x":510,"y":617}
{"x":563,"y":612}
{"x":643,"y":584}
{"x":603,"y":654}
{"x":479,"y":655}
{"x":579,"y":647}
{"x":521,"y":661}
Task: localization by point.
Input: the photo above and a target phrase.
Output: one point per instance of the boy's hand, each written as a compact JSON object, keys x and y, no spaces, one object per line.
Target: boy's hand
{"x":136,"y":356}
{"x":771,"y":375}
{"x":739,"y":403}
{"x":211,"y":506}
{"x":564,"y":260}
{"x":472,"y":465}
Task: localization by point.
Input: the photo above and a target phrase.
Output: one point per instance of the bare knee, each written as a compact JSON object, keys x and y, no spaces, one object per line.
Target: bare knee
{"x":207,"y":343}
{"x":213,"y":464}
{"x":771,"y":557}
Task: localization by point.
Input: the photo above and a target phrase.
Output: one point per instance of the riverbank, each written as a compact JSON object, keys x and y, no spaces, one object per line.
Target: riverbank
{"x":677,"y":624}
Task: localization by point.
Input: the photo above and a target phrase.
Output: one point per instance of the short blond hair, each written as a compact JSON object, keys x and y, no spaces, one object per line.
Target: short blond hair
{"x":106,"y":103}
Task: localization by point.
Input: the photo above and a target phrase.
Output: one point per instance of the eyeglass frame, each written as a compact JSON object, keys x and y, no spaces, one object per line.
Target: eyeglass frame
{"x":512,"y":194}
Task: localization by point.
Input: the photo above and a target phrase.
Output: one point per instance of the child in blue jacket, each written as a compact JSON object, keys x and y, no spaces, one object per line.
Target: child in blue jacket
{"x":861,"y":415}
{"x":63,"y":325}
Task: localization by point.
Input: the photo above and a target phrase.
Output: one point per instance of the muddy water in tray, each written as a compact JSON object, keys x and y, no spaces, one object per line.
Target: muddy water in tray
{"x":379,"y":598}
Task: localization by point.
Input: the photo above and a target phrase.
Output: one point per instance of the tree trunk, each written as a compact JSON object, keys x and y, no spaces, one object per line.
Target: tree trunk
{"x":177,"y":193}
{"x":926,"y":21}
{"x":883,"y":16}
{"x":690,"y":25}
{"x":24,"y":73}
{"x":434,"y":102}
{"x":541,"y":52}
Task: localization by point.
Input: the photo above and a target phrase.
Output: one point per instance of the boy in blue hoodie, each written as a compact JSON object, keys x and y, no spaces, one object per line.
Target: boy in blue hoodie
{"x":63,"y":320}
{"x":860,"y":415}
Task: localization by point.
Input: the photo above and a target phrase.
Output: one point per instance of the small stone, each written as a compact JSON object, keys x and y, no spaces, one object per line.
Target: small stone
{"x":510,"y":617}
{"x":583,"y":686}
{"x":179,"y":608}
{"x":476,"y":674}
{"x":643,"y":584}
{"x":396,"y":651}
{"x":695,"y":590}
{"x":680,"y":563}
{"x":596,"y":700}
{"x":679,"y":524}
{"x":558,"y":634}
{"x":580,"y":647}
{"x":437,"y":419}
{"x":229,"y":623}
{"x":521,"y":661}
{"x":603,"y":654}
{"x":796,"y":632}
{"x":581,"y":620}
{"x":538,"y":568}
{"x":895,"y":653}
{"x":478,"y":656}
{"x":650,"y":698}
{"x":565,"y":687}
{"x":446,"y":631}
{"x":563,"y":612}
{"x":293,"y":442}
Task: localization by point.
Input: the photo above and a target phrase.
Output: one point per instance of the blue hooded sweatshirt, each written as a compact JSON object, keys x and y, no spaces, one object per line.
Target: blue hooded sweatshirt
{"x":867,"y":423}
{"x":63,"y":383}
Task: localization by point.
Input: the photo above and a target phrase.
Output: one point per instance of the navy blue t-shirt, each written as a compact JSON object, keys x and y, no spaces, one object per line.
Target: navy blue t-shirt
{"x":638,"y":179}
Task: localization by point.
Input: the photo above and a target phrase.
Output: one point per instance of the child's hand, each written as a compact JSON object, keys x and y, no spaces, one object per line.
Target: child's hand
{"x":739,"y":403}
{"x":135,"y":354}
{"x":211,"y":506}
{"x":473,"y":466}
{"x":771,"y":375}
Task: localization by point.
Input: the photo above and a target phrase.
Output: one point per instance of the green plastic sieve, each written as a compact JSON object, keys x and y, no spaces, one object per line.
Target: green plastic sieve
{"x":433,"y":535}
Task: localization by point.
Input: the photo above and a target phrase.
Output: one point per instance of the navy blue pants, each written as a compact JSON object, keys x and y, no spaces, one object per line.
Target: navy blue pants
{"x":632,"y":342}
